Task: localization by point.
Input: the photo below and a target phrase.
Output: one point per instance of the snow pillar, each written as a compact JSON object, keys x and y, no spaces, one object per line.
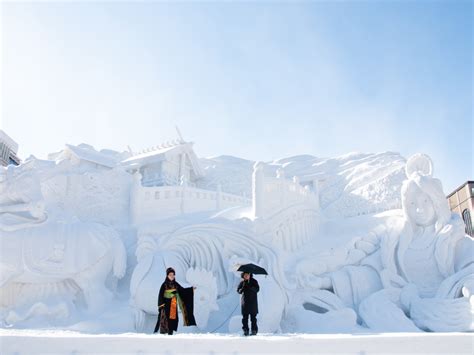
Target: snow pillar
{"x":135,"y":197}
{"x":182,"y":164}
{"x":184,"y":185}
{"x":258,"y":193}
{"x":280,"y":174}
{"x":298,"y":197}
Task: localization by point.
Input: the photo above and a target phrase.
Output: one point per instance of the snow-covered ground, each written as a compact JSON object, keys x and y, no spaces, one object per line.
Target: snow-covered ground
{"x":25,"y":342}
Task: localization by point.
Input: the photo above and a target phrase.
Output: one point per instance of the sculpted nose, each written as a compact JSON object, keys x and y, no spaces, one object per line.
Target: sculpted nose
{"x":419,"y":210}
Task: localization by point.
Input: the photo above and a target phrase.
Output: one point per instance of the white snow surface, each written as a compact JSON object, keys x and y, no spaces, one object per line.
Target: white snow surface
{"x":28,"y":342}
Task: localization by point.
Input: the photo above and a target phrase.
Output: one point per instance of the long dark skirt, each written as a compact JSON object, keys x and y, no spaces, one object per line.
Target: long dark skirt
{"x":164,"y":324}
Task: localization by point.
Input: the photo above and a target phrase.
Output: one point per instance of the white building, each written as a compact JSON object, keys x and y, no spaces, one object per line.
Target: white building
{"x":166,"y":164}
{"x":8,"y":150}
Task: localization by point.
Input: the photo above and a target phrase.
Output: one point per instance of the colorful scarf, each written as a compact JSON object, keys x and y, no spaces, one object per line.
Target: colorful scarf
{"x":171,"y":293}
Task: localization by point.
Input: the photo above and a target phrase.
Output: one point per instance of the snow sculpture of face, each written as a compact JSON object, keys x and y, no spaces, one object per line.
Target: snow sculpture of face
{"x":423,"y":200}
{"x":420,"y":208}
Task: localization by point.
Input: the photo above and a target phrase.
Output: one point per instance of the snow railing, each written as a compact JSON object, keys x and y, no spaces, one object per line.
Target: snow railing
{"x":271,"y":195}
{"x":150,"y":204}
{"x":162,"y":180}
{"x":286,"y":213}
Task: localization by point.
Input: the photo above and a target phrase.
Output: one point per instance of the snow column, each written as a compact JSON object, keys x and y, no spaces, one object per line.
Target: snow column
{"x":258,"y":192}
{"x":184,"y":185}
{"x":135,"y":197}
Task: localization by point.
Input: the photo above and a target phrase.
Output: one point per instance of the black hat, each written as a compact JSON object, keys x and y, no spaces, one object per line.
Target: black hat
{"x":170,"y":270}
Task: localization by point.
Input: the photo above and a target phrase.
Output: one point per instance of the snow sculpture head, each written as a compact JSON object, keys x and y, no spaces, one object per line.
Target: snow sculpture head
{"x":423,"y":201}
{"x":205,"y":294}
{"x":21,"y":200}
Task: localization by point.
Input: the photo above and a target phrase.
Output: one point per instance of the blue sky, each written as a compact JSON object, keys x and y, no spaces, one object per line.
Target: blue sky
{"x":259,"y":80}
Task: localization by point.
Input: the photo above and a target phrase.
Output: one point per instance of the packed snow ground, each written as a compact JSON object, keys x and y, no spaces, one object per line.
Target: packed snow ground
{"x":26,"y":342}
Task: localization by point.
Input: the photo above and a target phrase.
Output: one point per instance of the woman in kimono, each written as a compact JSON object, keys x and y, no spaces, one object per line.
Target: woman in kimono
{"x":171,"y":295}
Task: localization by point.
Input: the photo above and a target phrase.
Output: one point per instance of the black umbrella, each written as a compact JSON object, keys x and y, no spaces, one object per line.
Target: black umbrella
{"x":252,"y":269}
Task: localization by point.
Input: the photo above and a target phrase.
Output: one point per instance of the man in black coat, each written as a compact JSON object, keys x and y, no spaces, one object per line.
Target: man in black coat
{"x":248,"y":288}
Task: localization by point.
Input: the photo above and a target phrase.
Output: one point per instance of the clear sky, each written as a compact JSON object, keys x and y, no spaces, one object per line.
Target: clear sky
{"x":258,"y":80}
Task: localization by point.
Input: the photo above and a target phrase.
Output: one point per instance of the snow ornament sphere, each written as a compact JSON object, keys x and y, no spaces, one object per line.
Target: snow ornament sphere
{"x":420,"y":164}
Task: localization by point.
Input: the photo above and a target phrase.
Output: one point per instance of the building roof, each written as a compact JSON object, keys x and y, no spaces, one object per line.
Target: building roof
{"x":160,"y":153}
{"x":88,"y":153}
{"x":8,"y":141}
{"x":152,"y":154}
{"x":469,"y":182}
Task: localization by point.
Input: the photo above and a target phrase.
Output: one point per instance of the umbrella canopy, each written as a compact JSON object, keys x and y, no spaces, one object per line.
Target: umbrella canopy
{"x":252,"y":269}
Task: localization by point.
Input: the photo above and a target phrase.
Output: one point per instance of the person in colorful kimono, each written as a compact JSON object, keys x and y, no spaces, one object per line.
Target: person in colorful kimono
{"x":170,"y":296}
{"x":248,"y":288}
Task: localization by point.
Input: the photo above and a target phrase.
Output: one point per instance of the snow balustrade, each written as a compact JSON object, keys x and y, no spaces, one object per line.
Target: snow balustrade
{"x":155,"y":203}
{"x":271,"y":195}
{"x":286,"y":213}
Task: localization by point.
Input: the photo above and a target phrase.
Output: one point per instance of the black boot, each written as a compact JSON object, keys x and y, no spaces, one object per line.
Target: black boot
{"x":246,"y":332}
{"x":254,"y":326}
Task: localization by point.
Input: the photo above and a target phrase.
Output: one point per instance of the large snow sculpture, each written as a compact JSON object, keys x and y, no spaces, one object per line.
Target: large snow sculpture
{"x":44,"y":258}
{"x":208,"y":247}
{"x":411,"y":275}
